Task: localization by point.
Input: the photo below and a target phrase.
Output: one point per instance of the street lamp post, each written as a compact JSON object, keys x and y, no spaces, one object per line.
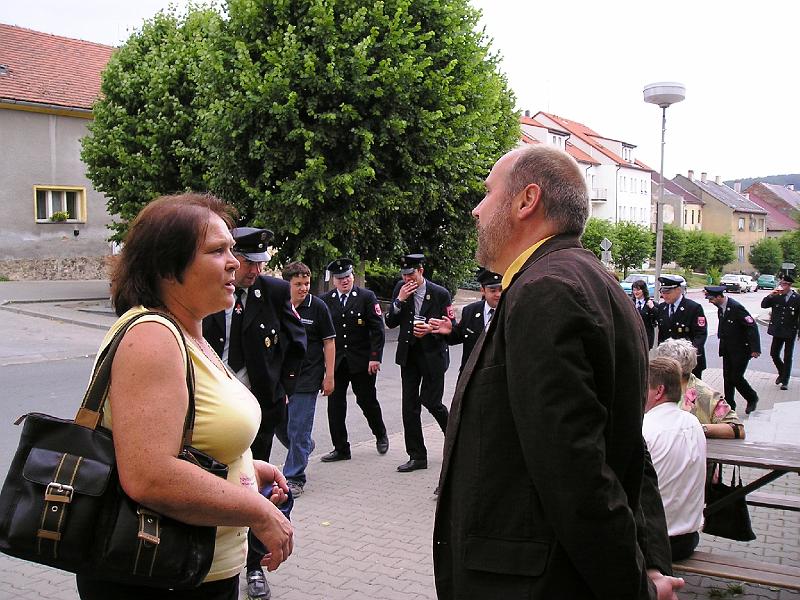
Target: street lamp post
{"x":664,"y":94}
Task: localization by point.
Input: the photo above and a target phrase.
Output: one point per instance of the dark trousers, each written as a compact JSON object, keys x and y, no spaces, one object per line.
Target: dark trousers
{"x":784,"y":366}
{"x":97,"y":589}
{"x":422,"y":386}
{"x":366,"y":397}
{"x":271,"y":417}
{"x":683,"y":545}
{"x":733,"y":368}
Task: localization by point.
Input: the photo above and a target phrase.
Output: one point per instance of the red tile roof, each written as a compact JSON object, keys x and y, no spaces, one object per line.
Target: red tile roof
{"x":580,"y":155}
{"x":588,"y":135}
{"x":50,"y":69}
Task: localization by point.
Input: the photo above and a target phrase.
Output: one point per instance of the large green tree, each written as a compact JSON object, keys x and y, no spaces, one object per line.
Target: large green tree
{"x":632,"y":247}
{"x":596,"y":229}
{"x":142,"y":141}
{"x":790,"y":246}
{"x":723,"y":250}
{"x":766,"y":255}
{"x":672,"y":244}
{"x":697,"y":249}
{"x":355,"y":127}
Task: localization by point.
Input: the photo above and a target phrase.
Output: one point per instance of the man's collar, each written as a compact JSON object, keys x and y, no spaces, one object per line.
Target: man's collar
{"x":515,"y":266}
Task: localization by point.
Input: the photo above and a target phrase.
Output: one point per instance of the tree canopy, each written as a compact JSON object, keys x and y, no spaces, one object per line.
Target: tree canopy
{"x":348,"y":127}
{"x":633,"y":245}
{"x":766,"y":255}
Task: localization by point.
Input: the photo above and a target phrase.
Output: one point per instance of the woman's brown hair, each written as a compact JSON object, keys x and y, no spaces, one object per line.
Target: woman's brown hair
{"x":161,"y":242}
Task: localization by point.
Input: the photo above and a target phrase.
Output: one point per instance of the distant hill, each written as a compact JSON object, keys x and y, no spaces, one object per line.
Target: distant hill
{"x":776,"y":179}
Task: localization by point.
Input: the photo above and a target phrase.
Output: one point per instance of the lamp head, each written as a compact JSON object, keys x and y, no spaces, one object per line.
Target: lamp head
{"x":664,"y":93}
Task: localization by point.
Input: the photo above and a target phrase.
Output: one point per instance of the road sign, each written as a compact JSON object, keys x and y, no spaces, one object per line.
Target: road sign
{"x":784,"y":266}
{"x":605,"y":256}
{"x":605,"y":244}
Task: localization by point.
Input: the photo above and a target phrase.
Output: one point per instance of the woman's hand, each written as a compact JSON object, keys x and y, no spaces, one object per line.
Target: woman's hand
{"x":277,"y":534}
{"x":268,"y":474}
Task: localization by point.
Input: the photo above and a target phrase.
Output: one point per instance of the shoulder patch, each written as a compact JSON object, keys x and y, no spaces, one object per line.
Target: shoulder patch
{"x":450,"y":313}
{"x":378,"y":309}
{"x":701,"y":321}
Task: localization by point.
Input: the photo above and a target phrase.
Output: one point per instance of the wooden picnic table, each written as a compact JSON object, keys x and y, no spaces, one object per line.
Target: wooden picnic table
{"x":777,"y":459}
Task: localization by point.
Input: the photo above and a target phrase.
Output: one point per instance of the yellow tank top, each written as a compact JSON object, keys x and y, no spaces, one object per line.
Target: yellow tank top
{"x":227,"y":417}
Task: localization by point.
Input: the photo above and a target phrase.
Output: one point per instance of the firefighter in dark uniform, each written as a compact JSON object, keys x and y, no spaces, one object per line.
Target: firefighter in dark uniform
{"x":263,"y":342}
{"x":418,"y":308}
{"x":475,"y":317}
{"x":739,"y":341}
{"x":784,"y":326}
{"x":358,"y":320}
{"x":678,"y":317}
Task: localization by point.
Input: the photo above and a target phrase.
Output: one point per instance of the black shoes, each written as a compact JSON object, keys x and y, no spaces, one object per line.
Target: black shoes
{"x":751,"y":406}
{"x":257,"y":586}
{"x":382,"y":444}
{"x":335,"y":455}
{"x":413,"y":465}
{"x":784,"y":386}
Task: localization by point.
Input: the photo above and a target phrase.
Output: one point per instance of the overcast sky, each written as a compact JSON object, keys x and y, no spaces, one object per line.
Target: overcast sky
{"x":588,"y":61}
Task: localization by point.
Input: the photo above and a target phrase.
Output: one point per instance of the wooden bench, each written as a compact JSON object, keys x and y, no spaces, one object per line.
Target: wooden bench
{"x":774,"y":501}
{"x":733,"y":567}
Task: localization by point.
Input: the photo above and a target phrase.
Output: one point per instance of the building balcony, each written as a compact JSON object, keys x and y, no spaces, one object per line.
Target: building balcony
{"x":599,"y":195}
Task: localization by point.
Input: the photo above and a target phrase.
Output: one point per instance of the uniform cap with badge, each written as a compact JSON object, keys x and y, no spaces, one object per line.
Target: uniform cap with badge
{"x":410,"y":263}
{"x":787,"y":278}
{"x":714,"y":290}
{"x":339,"y":268}
{"x":490,"y":279}
{"x":670,"y":282}
{"x":251,"y":243}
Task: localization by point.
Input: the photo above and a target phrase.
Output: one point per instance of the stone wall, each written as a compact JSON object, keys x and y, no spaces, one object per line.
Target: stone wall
{"x":82,"y":267}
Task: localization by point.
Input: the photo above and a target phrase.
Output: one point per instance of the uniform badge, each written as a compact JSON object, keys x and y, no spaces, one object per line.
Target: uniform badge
{"x":450,"y":313}
{"x":680,"y":329}
{"x":427,"y":296}
{"x":749,"y":320}
{"x":257,"y":293}
{"x":701,"y":321}
{"x":267,"y":342}
{"x":238,"y":308}
{"x":378,"y":309}
{"x":360,"y":322}
{"x":477,"y":315}
{"x":275,"y":341}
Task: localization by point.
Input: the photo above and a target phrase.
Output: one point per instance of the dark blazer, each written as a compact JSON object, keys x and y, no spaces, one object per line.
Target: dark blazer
{"x":359,"y":328}
{"x":549,"y":410}
{"x":274,"y":339}
{"x":649,"y":320}
{"x":468,"y":329}
{"x":737,"y":332}
{"x":785,"y":320}
{"x":436,"y":304}
{"x":688,"y":323}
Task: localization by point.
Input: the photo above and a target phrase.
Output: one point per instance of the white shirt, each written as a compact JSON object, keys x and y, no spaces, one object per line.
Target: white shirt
{"x":678,"y":448}
{"x":486,"y":309}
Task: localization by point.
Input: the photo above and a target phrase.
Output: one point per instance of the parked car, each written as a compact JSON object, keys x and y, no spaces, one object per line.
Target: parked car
{"x":766,"y":282}
{"x":650,"y":280}
{"x":738,"y":283}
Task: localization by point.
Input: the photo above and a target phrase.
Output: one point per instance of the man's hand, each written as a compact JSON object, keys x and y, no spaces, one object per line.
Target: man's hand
{"x":443,"y":326}
{"x":327,"y":384}
{"x":374,"y":367}
{"x":665,"y":586}
{"x":407,"y":290}
{"x":422,"y":329}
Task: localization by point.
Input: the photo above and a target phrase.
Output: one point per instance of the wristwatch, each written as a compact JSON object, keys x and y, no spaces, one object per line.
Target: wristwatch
{"x":705,"y":430}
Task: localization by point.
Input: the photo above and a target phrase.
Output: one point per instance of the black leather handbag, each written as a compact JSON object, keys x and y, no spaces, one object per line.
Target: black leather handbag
{"x":62,"y":505}
{"x":732,"y":521}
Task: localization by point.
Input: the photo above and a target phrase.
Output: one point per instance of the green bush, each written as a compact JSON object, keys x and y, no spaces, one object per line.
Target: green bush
{"x":381,"y":279}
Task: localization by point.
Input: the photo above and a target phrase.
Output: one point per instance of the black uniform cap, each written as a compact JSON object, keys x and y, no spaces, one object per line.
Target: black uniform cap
{"x":788,"y":278}
{"x":252,"y":243}
{"x":341,"y":267}
{"x":410,"y":263}
{"x":490,"y":279}
{"x":714,"y":290}
{"x":670,"y":282}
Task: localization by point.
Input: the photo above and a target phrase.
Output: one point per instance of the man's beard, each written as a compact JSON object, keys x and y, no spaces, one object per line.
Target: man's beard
{"x":493,"y":236}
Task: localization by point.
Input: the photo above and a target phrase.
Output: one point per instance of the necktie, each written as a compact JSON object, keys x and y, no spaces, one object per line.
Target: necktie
{"x":671,"y":310}
{"x":639,"y":304}
{"x":343,"y":299}
{"x":417,"y":302}
{"x":235,"y":352}
{"x":490,"y":315}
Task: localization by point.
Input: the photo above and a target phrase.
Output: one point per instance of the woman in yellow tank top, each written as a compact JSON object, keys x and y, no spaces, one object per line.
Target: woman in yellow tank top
{"x":177,"y":259}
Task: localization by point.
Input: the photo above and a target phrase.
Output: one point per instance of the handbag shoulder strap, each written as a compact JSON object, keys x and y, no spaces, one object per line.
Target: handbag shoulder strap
{"x":91,"y":409}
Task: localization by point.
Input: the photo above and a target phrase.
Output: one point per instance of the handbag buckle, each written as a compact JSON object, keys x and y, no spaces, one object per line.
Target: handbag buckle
{"x":149,"y":529}
{"x":58,"y":492}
